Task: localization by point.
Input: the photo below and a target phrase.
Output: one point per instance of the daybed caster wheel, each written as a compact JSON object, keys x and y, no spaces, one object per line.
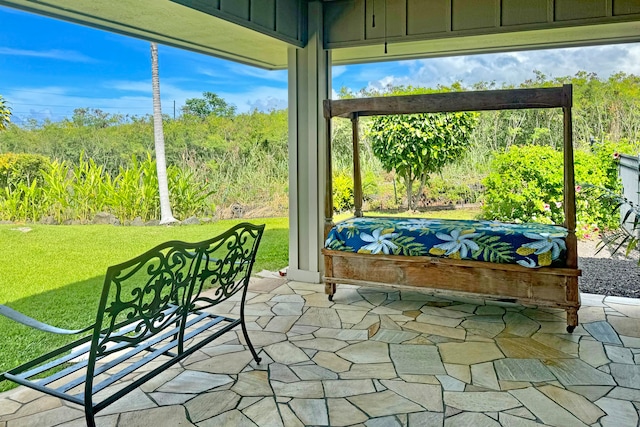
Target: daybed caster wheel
{"x":570,"y":329}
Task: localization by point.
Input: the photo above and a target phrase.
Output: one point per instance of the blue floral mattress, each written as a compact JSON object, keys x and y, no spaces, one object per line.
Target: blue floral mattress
{"x":530,"y":245}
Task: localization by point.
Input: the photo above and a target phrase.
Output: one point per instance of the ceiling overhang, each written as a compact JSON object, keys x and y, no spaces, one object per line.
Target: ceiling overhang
{"x":560,"y":37}
{"x":168,"y":23}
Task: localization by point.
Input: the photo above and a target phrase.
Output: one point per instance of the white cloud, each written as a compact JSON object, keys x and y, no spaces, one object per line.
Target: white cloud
{"x":257,"y":97}
{"x":62,"y":55}
{"x":509,"y":68}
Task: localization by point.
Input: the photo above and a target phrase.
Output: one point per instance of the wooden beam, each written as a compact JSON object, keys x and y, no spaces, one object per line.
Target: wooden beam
{"x":449,"y":102}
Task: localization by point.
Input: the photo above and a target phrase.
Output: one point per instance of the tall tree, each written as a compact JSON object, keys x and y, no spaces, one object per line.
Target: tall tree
{"x":209,"y":104}
{"x":5,"y":113}
{"x":416,"y":145}
{"x":166,"y":216}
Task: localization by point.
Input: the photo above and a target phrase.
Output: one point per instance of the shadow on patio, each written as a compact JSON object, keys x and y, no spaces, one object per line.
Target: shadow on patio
{"x":384,"y":357}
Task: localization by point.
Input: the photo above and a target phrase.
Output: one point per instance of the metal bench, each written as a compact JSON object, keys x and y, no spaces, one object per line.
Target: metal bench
{"x":153,"y":308}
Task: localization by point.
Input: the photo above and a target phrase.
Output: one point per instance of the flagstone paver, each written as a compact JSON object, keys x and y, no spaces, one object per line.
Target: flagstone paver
{"x":523,"y":370}
{"x":451,"y":384}
{"x":394,"y":336}
{"x":426,"y":395}
{"x":209,"y":405}
{"x":311,"y":411}
{"x":379,"y":357}
{"x":366,"y":352}
{"x":577,"y":372}
{"x":546,"y":409}
{"x":344,"y":413}
{"x":264,"y":413}
{"x":603,"y":332}
{"x":586,"y":411}
{"x":416,"y":359}
{"x":443,"y":331}
{"x":593,"y":353}
{"x":508,"y":420}
{"x":619,"y":412}
{"x":484,"y":375}
{"x":370,"y":370}
{"x":626,"y":326}
{"x":619,"y":354}
{"x":520,"y":325}
{"x":481,"y":401}
{"x":469,"y":353}
{"x":233,"y":418}
{"x":526,"y":348}
{"x":384,"y":403}
{"x":626,"y":375}
{"x":471,"y":419}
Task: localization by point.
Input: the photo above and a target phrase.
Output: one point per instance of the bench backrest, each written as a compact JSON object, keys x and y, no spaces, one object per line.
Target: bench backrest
{"x":161,"y":287}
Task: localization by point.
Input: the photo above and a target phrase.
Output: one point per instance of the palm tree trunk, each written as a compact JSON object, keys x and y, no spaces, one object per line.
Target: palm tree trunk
{"x":166,"y":216}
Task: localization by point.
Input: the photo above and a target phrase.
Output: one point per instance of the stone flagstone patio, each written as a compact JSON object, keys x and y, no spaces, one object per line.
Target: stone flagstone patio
{"x":384,"y":357}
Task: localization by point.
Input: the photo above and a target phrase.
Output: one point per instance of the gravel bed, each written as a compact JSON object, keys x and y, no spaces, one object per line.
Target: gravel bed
{"x":606,"y":274}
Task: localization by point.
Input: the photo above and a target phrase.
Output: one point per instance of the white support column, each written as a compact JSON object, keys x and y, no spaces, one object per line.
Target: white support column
{"x":309,"y":85}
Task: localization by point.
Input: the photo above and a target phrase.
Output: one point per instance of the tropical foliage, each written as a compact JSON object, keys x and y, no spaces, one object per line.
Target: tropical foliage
{"x":241,"y":160}
{"x":526,"y":185}
{"x":5,"y":113}
{"x":60,"y":192}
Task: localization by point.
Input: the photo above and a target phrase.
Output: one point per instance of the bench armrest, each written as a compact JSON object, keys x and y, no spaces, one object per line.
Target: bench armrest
{"x":36,"y":324}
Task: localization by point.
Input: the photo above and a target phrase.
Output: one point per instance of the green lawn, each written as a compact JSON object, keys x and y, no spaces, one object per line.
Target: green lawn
{"x":55,"y":273}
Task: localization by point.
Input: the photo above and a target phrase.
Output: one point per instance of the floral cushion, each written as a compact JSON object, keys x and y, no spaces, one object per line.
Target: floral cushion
{"x":530,"y":245}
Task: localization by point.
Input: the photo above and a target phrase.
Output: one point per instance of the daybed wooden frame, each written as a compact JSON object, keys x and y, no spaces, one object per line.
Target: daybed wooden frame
{"x":551,"y":287}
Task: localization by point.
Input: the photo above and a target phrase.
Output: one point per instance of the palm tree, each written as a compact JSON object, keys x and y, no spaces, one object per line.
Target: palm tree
{"x":166,"y":216}
{"x":5,"y":114}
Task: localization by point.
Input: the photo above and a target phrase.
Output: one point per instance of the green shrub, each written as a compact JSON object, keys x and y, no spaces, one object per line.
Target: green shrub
{"x":441,"y":191}
{"x":21,"y":168}
{"x":526,"y":185}
{"x":343,"y":189}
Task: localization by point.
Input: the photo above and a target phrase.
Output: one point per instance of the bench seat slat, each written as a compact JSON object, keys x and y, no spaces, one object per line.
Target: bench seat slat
{"x":145,"y":345}
{"x":159,"y":352}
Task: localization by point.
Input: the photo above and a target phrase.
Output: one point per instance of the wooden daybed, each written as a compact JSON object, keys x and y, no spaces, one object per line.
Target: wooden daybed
{"x":551,"y":286}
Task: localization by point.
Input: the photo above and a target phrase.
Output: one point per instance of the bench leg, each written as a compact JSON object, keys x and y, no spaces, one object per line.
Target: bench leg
{"x":572,"y":319}
{"x":90,"y":417}
{"x":249,"y":343}
{"x":330,"y":289}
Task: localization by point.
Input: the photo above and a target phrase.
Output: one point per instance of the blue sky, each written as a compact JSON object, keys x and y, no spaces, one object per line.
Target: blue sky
{"x":49,"y":67}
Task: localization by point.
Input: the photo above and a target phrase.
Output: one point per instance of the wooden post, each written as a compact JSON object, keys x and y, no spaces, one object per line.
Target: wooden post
{"x":328,"y":196}
{"x":571,"y":287}
{"x":569,"y":182}
{"x":357,"y":177}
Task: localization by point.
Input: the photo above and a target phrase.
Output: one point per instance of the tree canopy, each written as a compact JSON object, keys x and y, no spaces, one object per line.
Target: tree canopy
{"x":210,"y":104}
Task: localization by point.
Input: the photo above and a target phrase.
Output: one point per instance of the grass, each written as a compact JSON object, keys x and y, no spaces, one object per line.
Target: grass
{"x":55,"y":273}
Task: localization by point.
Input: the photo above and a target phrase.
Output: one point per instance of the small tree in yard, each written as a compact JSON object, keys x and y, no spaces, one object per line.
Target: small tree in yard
{"x":419,"y":144}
